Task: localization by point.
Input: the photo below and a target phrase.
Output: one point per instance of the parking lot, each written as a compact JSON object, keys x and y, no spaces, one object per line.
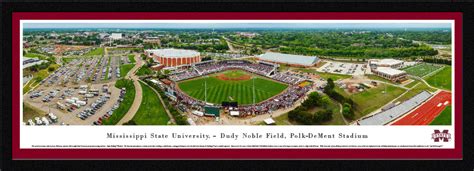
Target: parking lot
{"x":86,"y":70}
{"x":81,"y":92}
{"x":343,"y":68}
{"x":80,"y":105}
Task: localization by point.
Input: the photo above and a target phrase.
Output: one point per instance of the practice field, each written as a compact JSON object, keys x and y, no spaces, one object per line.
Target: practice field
{"x":441,"y":79}
{"x":232,"y":85}
{"x":422,"y":69}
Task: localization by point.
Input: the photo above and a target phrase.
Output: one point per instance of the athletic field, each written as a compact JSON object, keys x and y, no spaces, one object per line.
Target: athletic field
{"x":441,"y":79}
{"x":232,"y":85}
{"x":422,"y":69}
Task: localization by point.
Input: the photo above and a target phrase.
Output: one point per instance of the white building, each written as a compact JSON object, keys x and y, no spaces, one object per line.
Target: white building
{"x":295,"y":60}
{"x":392,"y":63}
{"x":116,"y":36}
{"x":391,"y":74}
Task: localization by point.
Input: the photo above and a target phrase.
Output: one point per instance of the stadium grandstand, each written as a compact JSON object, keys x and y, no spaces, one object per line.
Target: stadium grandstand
{"x":294,"y":60}
{"x":283,"y":100}
{"x":391,"y":114}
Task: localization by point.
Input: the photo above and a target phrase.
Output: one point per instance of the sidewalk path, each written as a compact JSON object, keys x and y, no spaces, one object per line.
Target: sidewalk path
{"x":138,"y":91}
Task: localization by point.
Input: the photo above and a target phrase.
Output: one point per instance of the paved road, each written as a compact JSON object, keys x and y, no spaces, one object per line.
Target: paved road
{"x":138,"y":91}
{"x":231,"y":47}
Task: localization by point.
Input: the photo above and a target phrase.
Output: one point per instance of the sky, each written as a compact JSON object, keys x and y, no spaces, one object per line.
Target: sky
{"x":235,"y":25}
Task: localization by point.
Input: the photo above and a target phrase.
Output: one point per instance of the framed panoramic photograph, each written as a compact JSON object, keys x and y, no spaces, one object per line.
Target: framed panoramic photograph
{"x":237,"y":85}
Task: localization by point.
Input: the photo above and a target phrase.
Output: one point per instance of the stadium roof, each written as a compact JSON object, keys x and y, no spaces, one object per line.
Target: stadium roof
{"x":289,"y":59}
{"x":386,"y":62}
{"x":174,"y":53}
{"x":390,"y":71}
{"x":385,"y":117}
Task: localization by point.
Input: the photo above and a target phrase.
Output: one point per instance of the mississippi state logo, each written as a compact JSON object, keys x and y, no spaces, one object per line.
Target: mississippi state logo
{"x":441,"y":136}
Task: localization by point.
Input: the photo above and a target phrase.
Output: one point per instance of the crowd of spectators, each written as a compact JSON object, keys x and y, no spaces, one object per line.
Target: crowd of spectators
{"x":281,"y":101}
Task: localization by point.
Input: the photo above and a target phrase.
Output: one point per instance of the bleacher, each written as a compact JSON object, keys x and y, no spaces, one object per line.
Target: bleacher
{"x":389,"y":115}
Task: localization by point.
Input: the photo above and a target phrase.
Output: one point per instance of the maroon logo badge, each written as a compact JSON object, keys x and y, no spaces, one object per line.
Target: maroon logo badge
{"x":438,"y":136}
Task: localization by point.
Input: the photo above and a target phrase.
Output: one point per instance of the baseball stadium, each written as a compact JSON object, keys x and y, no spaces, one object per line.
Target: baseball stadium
{"x":247,"y":87}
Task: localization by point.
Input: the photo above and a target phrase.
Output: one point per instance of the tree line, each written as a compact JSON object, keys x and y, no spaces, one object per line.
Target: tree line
{"x":301,"y":114}
{"x":348,"y":104}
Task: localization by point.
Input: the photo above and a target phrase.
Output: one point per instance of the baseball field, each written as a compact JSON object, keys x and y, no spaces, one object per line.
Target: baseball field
{"x":232,"y":85}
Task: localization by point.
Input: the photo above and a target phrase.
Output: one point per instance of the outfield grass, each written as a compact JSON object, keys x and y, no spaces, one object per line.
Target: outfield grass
{"x":151,"y":111}
{"x":125,"y":104}
{"x":124,"y":69}
{"x":372,"y":99}
{"x":441,"y":79}
{"x":144,"y":70}
{"x":131,"y":58}
{"x":422,"y":69}
{"x":239,"y":91}
{"x":324,"y":75}
{"x":444,"y":118}
{"x":95,"y":52}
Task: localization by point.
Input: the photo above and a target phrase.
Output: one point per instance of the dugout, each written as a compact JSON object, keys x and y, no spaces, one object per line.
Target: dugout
{"x":212,"y":111}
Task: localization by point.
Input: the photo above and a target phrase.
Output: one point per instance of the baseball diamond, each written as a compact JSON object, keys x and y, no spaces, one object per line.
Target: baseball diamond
{"x":232,"y":87}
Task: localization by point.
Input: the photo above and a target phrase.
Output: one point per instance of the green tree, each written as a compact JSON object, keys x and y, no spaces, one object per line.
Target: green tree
{"x":347,"y":111}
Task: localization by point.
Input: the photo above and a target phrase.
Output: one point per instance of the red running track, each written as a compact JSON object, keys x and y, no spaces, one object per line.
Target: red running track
{"x":428,"y":111}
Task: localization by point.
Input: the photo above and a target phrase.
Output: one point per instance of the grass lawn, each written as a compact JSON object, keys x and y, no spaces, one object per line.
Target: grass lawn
{"x":67,"y":60}
{"x":37,"y":78}
{"x":125,"y":104}
{"x":144,"y":70}
{"x":372,"y":99}
{"x":337,"y":118}
{"x":444,"y":118}
{"x":413,"y":83}
{"x":131,"y":58}
{"x":124,"y":69}
{"x":375,"y":77}
{"x":36,"y":55}
{"x":441,"y":79}
{"x":281,"y":120}
{"x":416,"y":90}
{"x":422,"y":69}
{"x":107,"y":70}
{"x":240,"y":91}
{"x":324,"y":75}
{"x":95,"y":52}
{"x":151,"y":111}
{"x":32,"y":83}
